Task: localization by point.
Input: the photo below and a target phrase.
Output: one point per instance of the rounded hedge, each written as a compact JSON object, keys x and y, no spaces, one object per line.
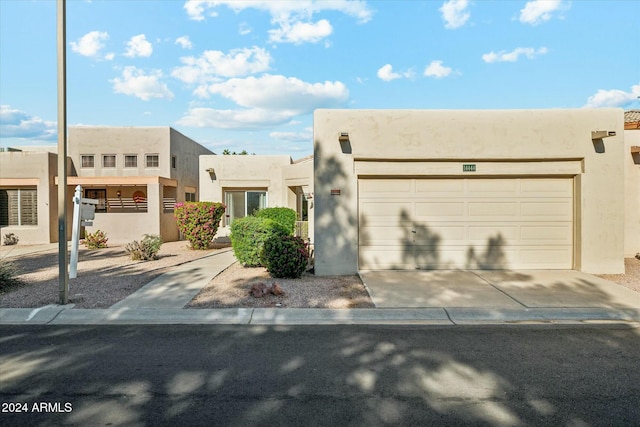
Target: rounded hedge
{"x":286,"y":256}
{"x":248,"y":236}
{"x":285,"y":216}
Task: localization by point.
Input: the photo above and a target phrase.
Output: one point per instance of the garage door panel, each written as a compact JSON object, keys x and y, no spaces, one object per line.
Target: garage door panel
{"x":492,"y":209}
{"x":546,"y":234}
{"x":439,"y":188}
{"x":434,"y":211}
{"x":458,"y":223}
{"x":548,"y":187}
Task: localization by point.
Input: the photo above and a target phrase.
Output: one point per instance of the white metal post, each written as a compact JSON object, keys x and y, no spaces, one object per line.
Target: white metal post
{"x":75,"y":234}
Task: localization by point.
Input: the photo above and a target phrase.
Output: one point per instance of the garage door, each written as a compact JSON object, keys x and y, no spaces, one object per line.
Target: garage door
{"x":466,"y":223}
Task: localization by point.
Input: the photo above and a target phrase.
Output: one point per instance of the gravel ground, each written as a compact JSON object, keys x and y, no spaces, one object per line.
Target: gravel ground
{"x":631,"y":278}
{"x":231,"y":289}
{"x":106,"y":276}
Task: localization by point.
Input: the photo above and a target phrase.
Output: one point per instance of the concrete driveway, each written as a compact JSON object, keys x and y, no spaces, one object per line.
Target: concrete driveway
{"x":504,"y":289}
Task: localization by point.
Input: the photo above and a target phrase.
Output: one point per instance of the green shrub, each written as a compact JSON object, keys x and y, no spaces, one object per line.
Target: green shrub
{"x":97,"y":240}
{"x":199,"y":221}
{"x":248,"y":235}
{"x":286,"y":256}
{"x":8,"y":273}
{"x":146,"y":249}
{"x":285,"y":216}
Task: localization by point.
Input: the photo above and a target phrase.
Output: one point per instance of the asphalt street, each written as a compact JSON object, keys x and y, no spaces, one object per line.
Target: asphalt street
{"x":345,"y":375}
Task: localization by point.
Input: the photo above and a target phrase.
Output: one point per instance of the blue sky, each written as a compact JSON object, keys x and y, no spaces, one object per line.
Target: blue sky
{"x":248,"y":74}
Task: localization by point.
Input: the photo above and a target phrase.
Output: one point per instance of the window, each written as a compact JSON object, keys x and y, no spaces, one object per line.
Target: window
{"x":109,"y":161}
{"x":243,"y":203}
{"x":19,"y":207}
{"x":174,"y":161}
{"x":130,"y":161}
{"x":189,"y":197}
{"x":153,"y":161}
{"x":87,"y":161}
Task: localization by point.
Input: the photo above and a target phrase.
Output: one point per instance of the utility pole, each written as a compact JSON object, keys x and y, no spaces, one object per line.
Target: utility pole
{"x":63,"y":276}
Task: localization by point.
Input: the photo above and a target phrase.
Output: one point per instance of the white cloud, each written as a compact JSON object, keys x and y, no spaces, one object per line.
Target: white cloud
{"x":455,"y":13}
{"x":266,"y":101}
{"x":613,"y":97}
{"x":184,"y":42}
{"x":254,"y":118}
{"x":138,"y":46}
{"x":387,"y":74}
{"x":292,"y":18}
{"x":280,"y":92}
{"x":301,"y":32}
{"x":91,"y":44}
{"x":135,"y":82}
{"x":244,"y":29}
{"x":212,"y":65}
{"x":538,"y":11}
{"x":437,"y":70}
{"x":514,"y":55}
{"x":305,"y":136}
{"x":19,"y":124}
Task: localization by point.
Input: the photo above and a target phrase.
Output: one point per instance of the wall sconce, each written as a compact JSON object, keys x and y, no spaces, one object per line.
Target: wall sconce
{"x":210,"y":171}
{"x":345,"y":143}
{"x":599,"y":134}
{"x":118,"y":194}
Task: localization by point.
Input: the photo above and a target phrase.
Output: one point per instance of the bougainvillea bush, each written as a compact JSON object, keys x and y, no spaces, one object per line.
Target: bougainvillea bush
{"x":199,"y":221}
{"x":286,"y":256}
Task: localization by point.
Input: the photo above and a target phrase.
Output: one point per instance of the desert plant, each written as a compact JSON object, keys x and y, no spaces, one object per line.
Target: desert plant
{"x":10,"y":239}
{"x":97,"y":240}
{"x":146,"y":249}
{"x":286,"y":256}
{"x":199,"y":221}
{"x":8,"y":273}
{"x":285,"y":216}
{"x":248,"y":235}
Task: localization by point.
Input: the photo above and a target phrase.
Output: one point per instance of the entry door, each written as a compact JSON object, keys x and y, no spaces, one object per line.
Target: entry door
{"x":479,"y":223}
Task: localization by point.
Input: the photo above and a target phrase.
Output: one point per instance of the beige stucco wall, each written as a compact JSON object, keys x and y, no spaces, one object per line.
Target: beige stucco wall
{"x":443,"y":141}
{"x":632,"y":193}
{"x":20,"y":169}
{"x":242,"y":173}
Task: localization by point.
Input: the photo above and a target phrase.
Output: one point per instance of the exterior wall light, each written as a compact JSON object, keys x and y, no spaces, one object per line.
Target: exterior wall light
{"x":599,"y":134}
{"x":118,"y":194}
{"x":210,"y":171}
{"x":344,"y":137}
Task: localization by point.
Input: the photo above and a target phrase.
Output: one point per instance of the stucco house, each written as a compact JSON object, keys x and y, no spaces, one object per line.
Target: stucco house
{"x":524,"y":189}
{"x":137,"y":174}
{"x":632,"y":182}
{"x":248,"y":183}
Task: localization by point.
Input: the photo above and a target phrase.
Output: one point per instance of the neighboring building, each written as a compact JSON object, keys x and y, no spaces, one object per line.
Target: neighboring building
{"x":137,"y":174}
{"x":632,"y":182}
{"x":406,"y":189}
{"x":246,"y":183}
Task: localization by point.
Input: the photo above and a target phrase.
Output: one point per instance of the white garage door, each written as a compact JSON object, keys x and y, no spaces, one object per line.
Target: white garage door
{"x":466,"y":223}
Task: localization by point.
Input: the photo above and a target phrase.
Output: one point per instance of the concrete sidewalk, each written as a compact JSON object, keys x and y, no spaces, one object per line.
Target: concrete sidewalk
{"x":411,"y":298}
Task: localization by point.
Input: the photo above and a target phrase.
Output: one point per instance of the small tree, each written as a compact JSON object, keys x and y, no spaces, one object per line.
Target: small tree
{"x":199,"y":221}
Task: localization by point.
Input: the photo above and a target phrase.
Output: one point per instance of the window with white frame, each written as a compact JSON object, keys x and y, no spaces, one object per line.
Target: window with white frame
{"x":19,"y":207}
{"x":152,"y":161}
{"x":241,"y":203}
{"x":109,"y":161}
{"x":87,"y":161}
{"x":130,"y":161}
